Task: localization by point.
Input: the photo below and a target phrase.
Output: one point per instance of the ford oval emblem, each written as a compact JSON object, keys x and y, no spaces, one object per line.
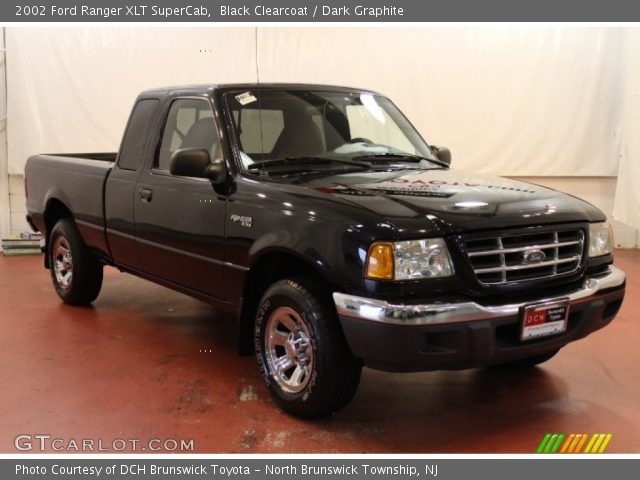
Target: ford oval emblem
{"x":533,"y":256}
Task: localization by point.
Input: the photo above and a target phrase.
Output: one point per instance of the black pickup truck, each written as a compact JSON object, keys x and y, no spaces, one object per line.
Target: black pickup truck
{"x":337,"y":236}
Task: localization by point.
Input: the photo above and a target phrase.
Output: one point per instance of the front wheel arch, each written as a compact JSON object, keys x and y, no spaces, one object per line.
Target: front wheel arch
{"x":267,"y":269}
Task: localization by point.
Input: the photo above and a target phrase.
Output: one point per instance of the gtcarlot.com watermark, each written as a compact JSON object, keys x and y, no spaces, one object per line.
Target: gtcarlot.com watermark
{"x":44,"y":442}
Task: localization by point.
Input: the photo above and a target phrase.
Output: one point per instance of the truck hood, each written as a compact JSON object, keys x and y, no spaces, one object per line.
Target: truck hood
{"x":447,"y":201}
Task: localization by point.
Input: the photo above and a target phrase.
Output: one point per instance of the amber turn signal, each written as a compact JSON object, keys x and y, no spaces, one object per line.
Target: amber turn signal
{"x":380,"y":261}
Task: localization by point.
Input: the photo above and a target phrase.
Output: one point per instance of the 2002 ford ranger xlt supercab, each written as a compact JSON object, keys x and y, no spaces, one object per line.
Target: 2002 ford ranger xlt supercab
{"x":336,"y":235}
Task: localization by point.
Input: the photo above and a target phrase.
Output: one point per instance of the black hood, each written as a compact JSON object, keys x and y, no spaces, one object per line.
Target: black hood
{"x":454,"y":201}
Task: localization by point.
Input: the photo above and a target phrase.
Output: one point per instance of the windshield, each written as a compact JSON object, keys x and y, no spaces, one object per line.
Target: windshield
{"x":283,"y":128}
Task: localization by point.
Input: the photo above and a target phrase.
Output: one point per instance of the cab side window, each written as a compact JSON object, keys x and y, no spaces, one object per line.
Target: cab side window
{"x":189,"y":124}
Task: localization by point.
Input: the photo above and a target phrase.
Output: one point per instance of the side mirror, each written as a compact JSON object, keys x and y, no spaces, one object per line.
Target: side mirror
{"x":195,"y":162}
{"x":442,"y":153}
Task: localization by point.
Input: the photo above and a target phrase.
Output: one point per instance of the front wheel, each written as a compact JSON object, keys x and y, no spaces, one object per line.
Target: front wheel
{"x":302,"y":353}
{"x":76,"y":273}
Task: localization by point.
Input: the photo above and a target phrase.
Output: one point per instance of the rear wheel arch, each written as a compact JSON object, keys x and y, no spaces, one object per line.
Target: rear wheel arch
{"x":54,"y":211}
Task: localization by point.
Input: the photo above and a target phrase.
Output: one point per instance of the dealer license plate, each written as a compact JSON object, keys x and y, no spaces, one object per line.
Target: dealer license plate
{"x":544,"y":319}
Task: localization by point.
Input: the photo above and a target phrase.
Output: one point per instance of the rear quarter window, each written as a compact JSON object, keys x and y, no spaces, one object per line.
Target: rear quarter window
{"x":135,"y":136}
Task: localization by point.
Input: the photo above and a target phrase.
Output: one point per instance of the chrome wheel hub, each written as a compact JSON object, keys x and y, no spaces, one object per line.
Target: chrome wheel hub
{"x":289,"y":353}
{"x":62,"y":262}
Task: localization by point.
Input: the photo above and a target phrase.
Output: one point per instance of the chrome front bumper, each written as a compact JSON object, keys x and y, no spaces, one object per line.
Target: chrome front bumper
{"x":443,"y":313}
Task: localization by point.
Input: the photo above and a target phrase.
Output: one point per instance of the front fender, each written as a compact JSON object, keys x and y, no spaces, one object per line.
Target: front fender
{"x":331,"y":237}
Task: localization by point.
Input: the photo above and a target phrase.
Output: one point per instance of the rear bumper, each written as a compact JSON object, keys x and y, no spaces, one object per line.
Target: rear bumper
{"x":466,"y":334}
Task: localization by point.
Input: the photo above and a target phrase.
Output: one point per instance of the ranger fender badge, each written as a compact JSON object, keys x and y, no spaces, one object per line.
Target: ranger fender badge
{"x":243,"y":221}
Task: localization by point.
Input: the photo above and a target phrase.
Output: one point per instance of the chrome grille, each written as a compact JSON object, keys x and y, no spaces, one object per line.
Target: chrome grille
{"x":525,"y":256}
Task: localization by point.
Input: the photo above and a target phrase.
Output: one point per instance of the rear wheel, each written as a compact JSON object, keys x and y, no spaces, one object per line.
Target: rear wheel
{"x":531,"y":362}
{"x":302,"y":353}
{"x":76,"y":273}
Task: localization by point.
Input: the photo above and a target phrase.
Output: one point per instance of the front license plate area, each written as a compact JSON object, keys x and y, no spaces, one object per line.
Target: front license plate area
{"x":544,"y":319}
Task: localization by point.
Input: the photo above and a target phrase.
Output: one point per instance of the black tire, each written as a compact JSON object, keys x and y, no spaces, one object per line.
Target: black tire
{"x":331,"y":375}
{"x":531,"y":362}
{"x":83,"y":285}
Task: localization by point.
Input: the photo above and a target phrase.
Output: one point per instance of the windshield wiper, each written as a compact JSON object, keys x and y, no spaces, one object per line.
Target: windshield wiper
{"x":305,"y":160}
{"x":400,"y":156}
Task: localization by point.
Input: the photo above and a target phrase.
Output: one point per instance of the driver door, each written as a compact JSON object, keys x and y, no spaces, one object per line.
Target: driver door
{"x":180,"y":220}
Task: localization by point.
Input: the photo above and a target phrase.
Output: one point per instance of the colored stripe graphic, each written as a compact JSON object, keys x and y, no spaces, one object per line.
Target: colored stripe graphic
{"x":556,"y":445}
{"x":596,"y":446}
{"x":570,"y":439}
{"x":573,"y":443}
{"x":543,"y":443}
{"x":606,"y":441}
{"x":552,"y":440}
{"x":576,"y":440}
{"x":593,"y":439}
{"x":582,"y":442}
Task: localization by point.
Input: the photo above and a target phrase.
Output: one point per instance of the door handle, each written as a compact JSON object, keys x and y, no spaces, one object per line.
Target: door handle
{"x":146,"y":194}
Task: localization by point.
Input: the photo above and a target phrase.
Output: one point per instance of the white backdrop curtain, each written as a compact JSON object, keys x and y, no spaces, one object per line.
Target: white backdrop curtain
{"x":5,"y":205}
{"x":627,"y":201}
{"x":508,"y":100}
{"x":516,"y":100}
{"x":71,"y":89}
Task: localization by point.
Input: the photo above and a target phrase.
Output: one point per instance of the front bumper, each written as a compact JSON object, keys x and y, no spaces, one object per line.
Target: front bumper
{"x":467,"y":334}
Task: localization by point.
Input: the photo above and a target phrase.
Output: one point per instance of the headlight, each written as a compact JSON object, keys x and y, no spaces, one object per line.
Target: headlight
{"x":600,"y":239}
{"x":410,"y":260}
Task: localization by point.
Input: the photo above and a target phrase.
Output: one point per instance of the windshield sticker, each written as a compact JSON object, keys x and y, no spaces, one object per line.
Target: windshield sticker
{"x":246,"y":98}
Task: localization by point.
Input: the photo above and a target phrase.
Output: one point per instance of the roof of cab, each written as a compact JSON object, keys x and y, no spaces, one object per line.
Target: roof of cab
{"x":209,"y":88}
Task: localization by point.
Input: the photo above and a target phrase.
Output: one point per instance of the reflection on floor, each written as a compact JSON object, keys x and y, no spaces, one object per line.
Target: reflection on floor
{"x":146,"y":363}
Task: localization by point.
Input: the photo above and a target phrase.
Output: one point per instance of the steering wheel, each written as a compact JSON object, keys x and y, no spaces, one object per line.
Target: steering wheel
{"x":359,"y":140}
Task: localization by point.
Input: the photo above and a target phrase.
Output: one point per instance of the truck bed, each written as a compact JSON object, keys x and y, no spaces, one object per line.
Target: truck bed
{"x":76,"y":180}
